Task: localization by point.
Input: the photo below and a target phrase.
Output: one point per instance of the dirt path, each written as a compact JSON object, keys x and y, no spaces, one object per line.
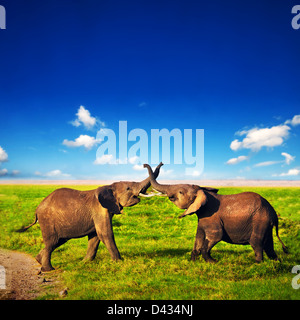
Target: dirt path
{"x":21,"y":279}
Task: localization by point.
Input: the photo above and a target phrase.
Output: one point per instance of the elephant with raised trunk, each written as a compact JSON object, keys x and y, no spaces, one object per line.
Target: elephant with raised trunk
{"x":68,"y":213}
{"x":244,"y":218}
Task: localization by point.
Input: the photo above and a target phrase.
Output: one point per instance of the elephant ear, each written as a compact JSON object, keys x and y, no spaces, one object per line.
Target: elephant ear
{"x":200,"y":200}
{"x":107,"y":200}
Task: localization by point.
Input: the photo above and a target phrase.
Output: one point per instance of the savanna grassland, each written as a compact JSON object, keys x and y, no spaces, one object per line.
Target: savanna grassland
{"x":156,"y":248}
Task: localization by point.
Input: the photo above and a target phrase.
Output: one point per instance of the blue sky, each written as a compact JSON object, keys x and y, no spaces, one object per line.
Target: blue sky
{"x":70,"y":68}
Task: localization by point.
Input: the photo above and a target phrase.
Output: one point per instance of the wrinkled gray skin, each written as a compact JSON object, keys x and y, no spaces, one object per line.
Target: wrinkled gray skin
{"x":68,"y":213}
{"x":244,"y":218}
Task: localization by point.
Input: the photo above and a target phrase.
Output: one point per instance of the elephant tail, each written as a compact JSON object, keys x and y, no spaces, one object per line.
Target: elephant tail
{"x":23,"y":229}
{"x":284,"y":248}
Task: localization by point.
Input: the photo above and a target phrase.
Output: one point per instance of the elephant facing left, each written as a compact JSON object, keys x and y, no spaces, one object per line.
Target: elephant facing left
{"x":68,"y":213}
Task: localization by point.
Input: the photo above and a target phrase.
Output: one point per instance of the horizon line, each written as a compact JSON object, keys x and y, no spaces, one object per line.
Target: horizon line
{"x":203,"y":182}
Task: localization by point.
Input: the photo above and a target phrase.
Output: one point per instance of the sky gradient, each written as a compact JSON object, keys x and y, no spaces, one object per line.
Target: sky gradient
{"x":70,"y":68}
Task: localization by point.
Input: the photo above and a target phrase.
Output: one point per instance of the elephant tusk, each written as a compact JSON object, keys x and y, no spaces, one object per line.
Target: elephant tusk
{"x":150,"y":195}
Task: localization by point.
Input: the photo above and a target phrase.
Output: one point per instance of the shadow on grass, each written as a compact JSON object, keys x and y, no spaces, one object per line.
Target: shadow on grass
{"x":160,"y":253}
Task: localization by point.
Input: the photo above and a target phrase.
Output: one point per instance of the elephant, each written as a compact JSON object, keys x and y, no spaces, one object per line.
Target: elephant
{"x":244,"y":218}
{"x":67,"y":213}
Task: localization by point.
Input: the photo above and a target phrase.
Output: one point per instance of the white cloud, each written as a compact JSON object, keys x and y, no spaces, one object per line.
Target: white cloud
{"x":266,"y":163}
{"x":84,"y":118}
{"x":3,"y":172}
{"x":291,"y":172}
{"x":105,"y":159}
{"x":110,"y":159}
{"x":75,"y":123}
{"x":295,"y":121}
{"x":237,"y":160}
{"x":3,"y":155}
{"x":53,"y":174}
{"x":83,"y":140}
{"x":288,"y":160}
{"x":138,"y":167}
{"x":265,"y":137}
{"x":288,"y":157}
{"x":3,"y":158}
{"x":15,"y":172}
{"x":56,"y":173}
{"x":169,"y":173}
{"x":121,"y":161}
{"x":133,"y":159}
{"x":235,"y":145}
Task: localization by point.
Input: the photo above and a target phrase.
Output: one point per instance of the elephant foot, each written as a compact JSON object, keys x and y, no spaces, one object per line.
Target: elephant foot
{"x":277,"y":259}
{"x":118,"y":259}
{"x":47,"y":268}
{"x":210,"y":259}
{"x":88,"y":259}
{"x":194,"y":255}
{"x":259,"y":259}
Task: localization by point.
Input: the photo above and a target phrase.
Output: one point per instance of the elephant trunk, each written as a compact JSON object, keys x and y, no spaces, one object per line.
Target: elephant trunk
{"x":154,"y":183}
{"x":145,"y":184}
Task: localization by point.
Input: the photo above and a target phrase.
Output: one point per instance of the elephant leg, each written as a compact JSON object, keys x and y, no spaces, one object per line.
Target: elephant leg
{"x":200,"y":236}
{"x":39,"y":257}
{"x":269,"y":247}
{"x":93,"y":245}
{"x":256,"y":244}
{"x":46,"y":259}
{"x":44,"y":256}
{"x":260,"y":237}
{"x":207,"y":246}
{"x":109,"y":242}
{"x":105,"y":233}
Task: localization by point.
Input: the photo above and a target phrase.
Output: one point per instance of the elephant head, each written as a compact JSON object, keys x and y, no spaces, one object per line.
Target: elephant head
{"x":185,"y":196}
{"x":124,"y":193}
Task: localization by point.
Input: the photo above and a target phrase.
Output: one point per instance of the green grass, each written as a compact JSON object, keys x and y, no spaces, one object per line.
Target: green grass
{"x":156,"y":247}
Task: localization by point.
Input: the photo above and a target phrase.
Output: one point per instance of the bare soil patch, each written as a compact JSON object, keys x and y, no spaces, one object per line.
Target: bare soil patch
{"x":22,"y":276}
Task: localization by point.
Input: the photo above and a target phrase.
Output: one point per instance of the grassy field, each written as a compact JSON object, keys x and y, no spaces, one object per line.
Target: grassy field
{"x":156,"y":247}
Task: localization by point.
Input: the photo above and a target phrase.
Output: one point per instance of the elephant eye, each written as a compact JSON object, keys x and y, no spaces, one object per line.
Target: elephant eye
{"x":128,"y":188}
{"x":180,"y":192}
{"x":172,"y":198}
